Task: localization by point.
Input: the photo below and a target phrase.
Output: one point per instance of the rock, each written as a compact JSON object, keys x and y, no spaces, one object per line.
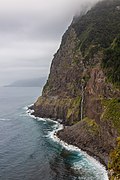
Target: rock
{"x":80,"y":72}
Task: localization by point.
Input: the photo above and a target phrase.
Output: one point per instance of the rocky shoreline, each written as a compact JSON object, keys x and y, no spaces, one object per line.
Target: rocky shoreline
{"x":65,"y":137}
{"x":68,"y":137}
{"x":83,"y":87}
{"x":96,"y":138}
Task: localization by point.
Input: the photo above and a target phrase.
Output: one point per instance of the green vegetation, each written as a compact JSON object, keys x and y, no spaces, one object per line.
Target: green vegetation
{"x":98,"y":28}
{"x":67,"y":108}
{"x":91,"y":40}
{"x":74,"y":109}
{"x":112,"y":112}
{"x":91,"y":126}
{"x":114,"y":162}
{"x":111,"y":62}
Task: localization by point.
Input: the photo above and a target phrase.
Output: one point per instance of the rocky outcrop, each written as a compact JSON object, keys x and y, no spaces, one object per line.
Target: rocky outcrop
{"x":80,"y":90}
{"x":62,"y":93}
{"x":95,"y":133}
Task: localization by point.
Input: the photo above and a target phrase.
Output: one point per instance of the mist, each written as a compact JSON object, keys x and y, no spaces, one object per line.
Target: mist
{"x":30,"y":34}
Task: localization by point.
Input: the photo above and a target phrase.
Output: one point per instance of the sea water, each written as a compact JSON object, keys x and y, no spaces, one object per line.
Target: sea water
{"x":29,"y":150}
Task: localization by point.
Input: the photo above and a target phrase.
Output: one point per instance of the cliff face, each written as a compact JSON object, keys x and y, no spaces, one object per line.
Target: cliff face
{"x":83,"y":88}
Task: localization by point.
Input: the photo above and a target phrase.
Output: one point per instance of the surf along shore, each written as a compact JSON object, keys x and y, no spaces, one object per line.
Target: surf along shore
{"x":65,"y":142}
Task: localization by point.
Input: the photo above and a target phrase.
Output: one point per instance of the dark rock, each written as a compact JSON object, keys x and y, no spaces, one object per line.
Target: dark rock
{"x":78,"y":78}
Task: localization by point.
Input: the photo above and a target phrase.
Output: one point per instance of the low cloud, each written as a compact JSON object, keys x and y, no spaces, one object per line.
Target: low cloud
{"x":30,"y":33}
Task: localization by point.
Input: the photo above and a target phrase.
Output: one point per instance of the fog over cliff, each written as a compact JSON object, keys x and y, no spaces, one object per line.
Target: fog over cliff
{"x":30,"y":33}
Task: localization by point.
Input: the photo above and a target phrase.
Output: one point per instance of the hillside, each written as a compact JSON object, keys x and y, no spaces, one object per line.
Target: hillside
{"x":83,"y":88}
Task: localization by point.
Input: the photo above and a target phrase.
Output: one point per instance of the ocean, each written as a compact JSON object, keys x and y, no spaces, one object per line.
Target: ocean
{"x":30,"y":151}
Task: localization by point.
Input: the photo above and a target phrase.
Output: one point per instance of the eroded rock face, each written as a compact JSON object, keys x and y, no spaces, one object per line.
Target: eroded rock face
{"x":94,"y":138}
{"x":61,"y":95}
{"x":65,"y":74}
{"x":66,"y":109}
{"x":93,"y":134}
{"x":95,"y":91}
{"x":77,"y":78}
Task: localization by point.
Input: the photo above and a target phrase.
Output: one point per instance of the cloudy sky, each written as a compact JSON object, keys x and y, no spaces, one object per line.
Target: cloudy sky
{"x":30,"y":34}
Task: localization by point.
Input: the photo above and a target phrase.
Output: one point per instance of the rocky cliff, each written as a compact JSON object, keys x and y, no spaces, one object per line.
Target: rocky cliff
{"x":83,"y":88}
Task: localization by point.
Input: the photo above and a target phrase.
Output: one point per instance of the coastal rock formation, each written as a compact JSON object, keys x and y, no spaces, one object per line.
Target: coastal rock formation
{"x":83,"y":88}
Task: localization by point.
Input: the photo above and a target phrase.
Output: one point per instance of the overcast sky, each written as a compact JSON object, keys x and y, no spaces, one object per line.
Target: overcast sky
{"x":30,"y":34}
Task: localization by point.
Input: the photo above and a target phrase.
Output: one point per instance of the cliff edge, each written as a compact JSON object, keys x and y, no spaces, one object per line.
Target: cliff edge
{"x":83,"y":88}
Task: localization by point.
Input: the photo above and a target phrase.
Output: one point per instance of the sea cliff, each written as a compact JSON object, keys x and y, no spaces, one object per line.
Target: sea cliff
{"x":83,"y":87}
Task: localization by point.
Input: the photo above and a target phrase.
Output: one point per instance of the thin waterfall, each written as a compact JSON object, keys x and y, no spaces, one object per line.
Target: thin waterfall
{"x":82,"y":98}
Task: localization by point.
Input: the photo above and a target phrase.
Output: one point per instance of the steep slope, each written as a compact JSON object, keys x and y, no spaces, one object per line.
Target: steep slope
{"x":83,"y":88}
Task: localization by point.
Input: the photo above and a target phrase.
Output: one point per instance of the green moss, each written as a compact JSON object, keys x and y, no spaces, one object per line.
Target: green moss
{"x":112,"y":112}
{"x":91,"y":126}
{"x":69,"y":113}
{"x":67,"y":107}
{"x":77,"y":101}
{"x":74,"y":109}
{"x":114,"y":162}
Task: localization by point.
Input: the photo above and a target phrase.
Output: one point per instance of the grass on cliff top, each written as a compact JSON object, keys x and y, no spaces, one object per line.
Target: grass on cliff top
{"x":112,"y":112}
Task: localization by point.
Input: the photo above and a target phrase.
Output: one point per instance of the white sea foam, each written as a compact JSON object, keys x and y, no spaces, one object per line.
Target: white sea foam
{"x":3,"y":119}
{"x":27,"y":107}
{"x":77,"y":165}
{"x":93,"y":162}
{"x":30,"y":105}
{"x":23,"y":115}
